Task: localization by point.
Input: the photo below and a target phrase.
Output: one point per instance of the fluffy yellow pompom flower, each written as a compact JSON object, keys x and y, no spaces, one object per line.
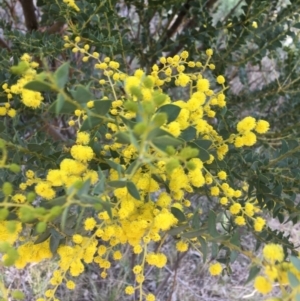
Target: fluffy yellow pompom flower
{"x":249,"y":139}
{"x":89,"y":224}
{"x":220,"y":79}
{"x":203,"y":85}
{"x":129,"y":290}
{"x":262,"y":285}
{"x":131,"y":81}
{"x":222,"y":175}
{"x":182,"y":246}
{"x":262,"y":126}
{"x":259,"y":224}
{"x":83,"y":138}
{"x":247,"y":124}
{"x":273,"y":252}
{"x":235,"y":208}
{"x":150,"y":297}
{"x":70,"y":285}
{"x":183,"y":80}
{"x":215,"y":269}
{"x":44,"y":190}
{"x":82,"y":153}
{"x":240,"y":220}
{"x":19,"y":198}
{"x":78,"y":239}
{"x":209,"y":52}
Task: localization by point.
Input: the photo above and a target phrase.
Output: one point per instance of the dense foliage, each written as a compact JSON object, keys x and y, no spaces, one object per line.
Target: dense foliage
{"x":125,"y":123}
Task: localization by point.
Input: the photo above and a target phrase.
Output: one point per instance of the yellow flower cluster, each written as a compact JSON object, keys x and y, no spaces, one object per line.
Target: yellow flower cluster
{"x":6,"y":235}
{"x":33,"y":253}
{"x":31,"y":99}
{"x":140,"y":219}
{"x":276,"y":270}
{"x":245,"y":127}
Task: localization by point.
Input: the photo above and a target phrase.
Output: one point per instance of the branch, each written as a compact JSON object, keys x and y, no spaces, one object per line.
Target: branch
{"x":172,"y":30}
{"x":29,"y":14}
{"x":3,"y":44}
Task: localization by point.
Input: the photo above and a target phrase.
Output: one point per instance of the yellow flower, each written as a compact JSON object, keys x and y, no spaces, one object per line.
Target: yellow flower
{"x":78,"y":239}
{"x":262,"y":285}
{"x":203,"y":85}
{"x":254,"y":24}
{"x":273,"y":252}
{"x":129,"y":290}
{"x":215,"y":269}
{"x":249,"y":139}
{"x":70,"y":285}
{"x":82,"y":153}
{"x":235,"y":208}
{"x":19,"y":198}
{"x":222,"y":175}
{"x":12,"y":113}
{"x":259,"y":224}
{"x":89,"y":224}
{"x":262,"y":126}
{"x":247,"y":124}
{"x":223,"y":201}
{"x":240,"y":220}
{"x":83,"y":138}
{"x":220,"y":79}
{"x":44,"y":190}
{"x":182,"y":246}
{"x":209,"y":52}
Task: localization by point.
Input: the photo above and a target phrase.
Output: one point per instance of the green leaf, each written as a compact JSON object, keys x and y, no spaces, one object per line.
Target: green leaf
{"x":84,"y":188}
{"x":203,"y":244}
{"x":188,"y":134}
{"x":61,"y":75}
{"x":163,"y":142}
{"x":297,"y":297}
{"x":117,"y":184}
{"x":129,"y":123}
{"x":82,"y":94}
{"x":296,"y":262}
{"x":297,"y":25}
{"x":64,"y":219}
{"x":115,"y":166}
{"x":233,"y":256}
{"x":44,"y":236}
{"x":122,"y":137}
{"x":100,"y":186}
{"x":102,"y":107}
{"x":202,"y":146}
{"x":60,"y":105}
{"x":38,"y":86}
{"x":172,"y":111}
{"x":254,"y":271}
{"x":196,"y":219}
{"x":158,"y":133}
{"x":178,"y":214}
{"x":212,"y":221}
{"x":205,"y":144}
{"x":293,"y":280}
{"x":193,"y":234}
{"x":54,"y":240}
{"x":177,"y":230}
{"x":90,"y":123}
{"x":133,"y":166}
{"x":133,"y":190}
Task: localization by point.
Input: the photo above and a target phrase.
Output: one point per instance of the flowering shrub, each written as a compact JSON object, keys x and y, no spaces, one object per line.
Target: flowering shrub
{"x":135,"y":156}
{"x":137,"y":150}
